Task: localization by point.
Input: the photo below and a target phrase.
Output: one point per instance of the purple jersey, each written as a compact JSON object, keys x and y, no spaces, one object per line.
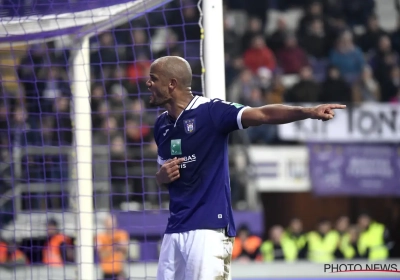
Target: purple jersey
{"x":201,"y":197}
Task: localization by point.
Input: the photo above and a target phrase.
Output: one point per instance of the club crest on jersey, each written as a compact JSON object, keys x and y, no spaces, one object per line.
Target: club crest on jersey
{"x":190,"y":125}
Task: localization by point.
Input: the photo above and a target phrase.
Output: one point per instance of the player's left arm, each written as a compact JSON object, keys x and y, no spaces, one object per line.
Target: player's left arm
{"x":281,"y":114}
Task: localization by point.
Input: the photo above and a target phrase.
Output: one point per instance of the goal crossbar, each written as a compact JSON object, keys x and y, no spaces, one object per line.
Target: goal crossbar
{"x":83,"y":23}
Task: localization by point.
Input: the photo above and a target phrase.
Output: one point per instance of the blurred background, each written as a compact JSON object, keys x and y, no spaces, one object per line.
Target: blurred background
{"x":306,"y":191}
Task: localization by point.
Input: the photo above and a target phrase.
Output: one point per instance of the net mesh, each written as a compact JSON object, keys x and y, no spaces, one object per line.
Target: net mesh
{"x":38,"y":163}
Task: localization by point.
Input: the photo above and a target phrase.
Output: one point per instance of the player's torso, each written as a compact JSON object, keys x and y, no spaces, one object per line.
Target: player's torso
{"x":200,"y":190}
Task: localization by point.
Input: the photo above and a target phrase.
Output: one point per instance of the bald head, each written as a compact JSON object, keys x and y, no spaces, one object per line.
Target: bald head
{"x":175,"y":67}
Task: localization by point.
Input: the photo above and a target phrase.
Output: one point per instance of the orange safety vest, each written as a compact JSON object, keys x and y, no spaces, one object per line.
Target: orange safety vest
{"x":51,"y":252}
{"x":114,"y":262}
{"x":3,"y":252}
{"x":251,"y":244}
{"x":5,"y":256}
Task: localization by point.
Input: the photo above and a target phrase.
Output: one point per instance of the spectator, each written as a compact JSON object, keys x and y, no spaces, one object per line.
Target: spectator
{"x":366,"y":89}
{"x":20,"y":131}
{"x":108,"y":130}
{"x":259,"y":134}
{"x":264,"y":77}
{"x":335,"y":88}
{"x":278,"y":247}
{"x":137,"y":132}
{"x":233,"y":69}
{"x":277,"y":38}
{"x":306,"y":90}
{"x":190,"y":24}
{"x":117,"y":100}
{"x":245,"y":247}
{"x":395,"y":36}
{"x":276,"y":92}
{"x":257,"y":9}
{"x":139,"y":45}
{"x":291,"y":57}
{"x":349,"y":244}
{"x":119,"y":167}
{"x":322,"y":244}
{"x":357,"y":11}
{"x":315,"y":41}
{"x":369,"y":40}
{"x":11,"y":255}
{"x":112,"y":247}
{"x":374,"y":243}
{"x":97,"y":96}
{"x":347,"y":57}
{"x":137,"y":73}
{"x":120,"y":76}
{"x":384,"y":59}
{"x":104,"y":56}
{"x":99,"y":116}
{"x":63,"y":124}
{"x":233,"y":50}
{"x":254,"y":29}
{"x":396,"y":98}
{"x":295,"y":233}
{"x":231,"y":39}
{"x":53,"y":86}
{"x":4,"y":130}
{"x":172,"y":46}
{"x":337,"y":26}
{"x":28,"y":73}
{"x":242,"y":86}
{"x":259,"y":55}
{"x":58,"y":249}
{"x":314,"y":11}
{"x":391,"y":85}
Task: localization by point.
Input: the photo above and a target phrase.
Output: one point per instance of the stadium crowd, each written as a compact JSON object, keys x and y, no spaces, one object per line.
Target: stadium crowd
{"x":334,"y":55}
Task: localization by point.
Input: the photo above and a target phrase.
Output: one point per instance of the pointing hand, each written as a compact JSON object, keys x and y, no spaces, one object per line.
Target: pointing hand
{"x":325,"y":112}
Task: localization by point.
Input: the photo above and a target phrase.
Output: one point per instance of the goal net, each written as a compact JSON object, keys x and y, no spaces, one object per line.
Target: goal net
{"x":77,"y":156}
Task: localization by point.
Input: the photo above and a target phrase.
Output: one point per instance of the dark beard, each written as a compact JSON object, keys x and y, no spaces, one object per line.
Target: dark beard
{"x":158,"y":103}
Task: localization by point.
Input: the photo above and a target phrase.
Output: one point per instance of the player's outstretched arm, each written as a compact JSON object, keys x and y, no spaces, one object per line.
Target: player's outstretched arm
{"x":281,"y":114}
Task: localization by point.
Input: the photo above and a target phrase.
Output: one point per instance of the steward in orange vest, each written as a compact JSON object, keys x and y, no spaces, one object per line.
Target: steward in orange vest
{"x":112,"y":247}
{"x":246,"y":247}
{"x":58,"y":249}
{"x":10,"y":254}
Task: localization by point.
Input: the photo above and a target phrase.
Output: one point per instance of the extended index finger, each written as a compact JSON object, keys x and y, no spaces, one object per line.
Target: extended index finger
{"x":337,"y":106}
{"x":176,"y":161}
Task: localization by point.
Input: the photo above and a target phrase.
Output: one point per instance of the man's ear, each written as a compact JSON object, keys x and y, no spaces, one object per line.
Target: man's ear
{"x":172,"y":84}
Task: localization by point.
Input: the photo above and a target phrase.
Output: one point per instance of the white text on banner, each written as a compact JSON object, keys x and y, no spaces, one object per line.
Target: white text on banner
{"x":370,"y":122}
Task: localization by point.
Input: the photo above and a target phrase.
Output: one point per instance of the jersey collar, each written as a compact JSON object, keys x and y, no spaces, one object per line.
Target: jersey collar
{"x":188,"y":107}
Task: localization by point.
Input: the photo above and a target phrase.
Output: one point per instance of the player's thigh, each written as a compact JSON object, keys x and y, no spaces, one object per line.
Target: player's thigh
{"x":171,"y":264}
{"x":208,"y":255}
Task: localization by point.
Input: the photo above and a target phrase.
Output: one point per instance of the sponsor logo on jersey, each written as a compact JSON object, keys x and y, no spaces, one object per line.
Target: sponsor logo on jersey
{"x":237,"y":105}
{"x":187,"y":160}
{"x":190,"y":125}
{"x":176,"y":148}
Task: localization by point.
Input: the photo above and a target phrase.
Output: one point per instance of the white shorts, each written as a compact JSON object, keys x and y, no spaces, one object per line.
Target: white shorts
{"x":196,"y":255}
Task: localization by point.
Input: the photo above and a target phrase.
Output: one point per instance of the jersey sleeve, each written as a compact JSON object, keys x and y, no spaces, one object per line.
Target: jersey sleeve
{"x":226,"y":116}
